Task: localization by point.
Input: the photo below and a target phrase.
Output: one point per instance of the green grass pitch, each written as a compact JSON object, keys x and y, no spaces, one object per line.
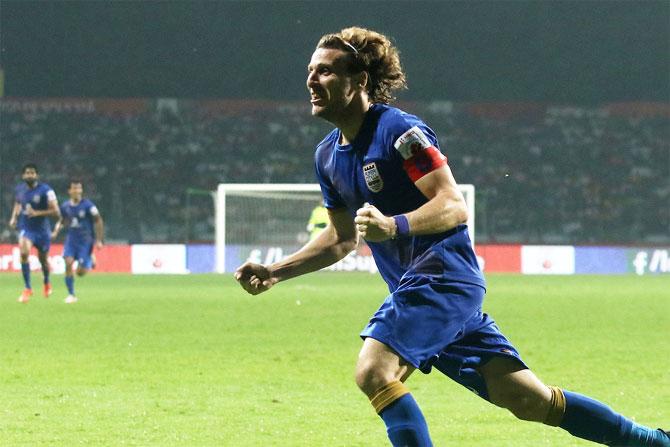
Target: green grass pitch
{"x":194,"y":361}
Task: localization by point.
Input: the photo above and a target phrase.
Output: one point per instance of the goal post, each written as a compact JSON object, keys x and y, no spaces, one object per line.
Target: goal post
{"x":268,"y":215}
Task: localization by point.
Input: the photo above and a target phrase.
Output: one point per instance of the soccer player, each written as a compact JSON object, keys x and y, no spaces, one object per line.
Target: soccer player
{"x":85,"y":230}
{"x":384,"y":178}
{"x":34,"y":204}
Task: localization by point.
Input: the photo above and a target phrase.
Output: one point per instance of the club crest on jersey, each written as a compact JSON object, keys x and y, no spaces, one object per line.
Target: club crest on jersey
{"x":36,"y":199}
{"x":82,"y":213}
{"x":372,"y":177}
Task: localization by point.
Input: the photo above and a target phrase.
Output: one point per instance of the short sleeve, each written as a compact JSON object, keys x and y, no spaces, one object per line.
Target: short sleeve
{"x":331,"y":198}
{"x":94,"y":210}
{"x":51,"y":195}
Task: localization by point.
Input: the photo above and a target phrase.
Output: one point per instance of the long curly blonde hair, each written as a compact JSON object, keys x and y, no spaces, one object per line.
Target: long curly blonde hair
{"x":373,"y":53}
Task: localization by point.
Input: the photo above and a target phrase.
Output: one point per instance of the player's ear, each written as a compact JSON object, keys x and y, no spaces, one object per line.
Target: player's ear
{"x":362,"y":80}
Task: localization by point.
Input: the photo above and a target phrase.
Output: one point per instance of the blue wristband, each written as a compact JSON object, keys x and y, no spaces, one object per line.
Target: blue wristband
{"x":402,"y":225}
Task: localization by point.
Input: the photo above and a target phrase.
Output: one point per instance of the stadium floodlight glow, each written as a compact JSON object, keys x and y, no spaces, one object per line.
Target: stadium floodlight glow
{"x":270,"y":214}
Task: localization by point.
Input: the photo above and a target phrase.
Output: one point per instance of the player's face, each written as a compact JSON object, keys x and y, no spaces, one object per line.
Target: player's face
{"x":329,"y":83}
{"x":30,"y":176}
{"x":76,"y":191}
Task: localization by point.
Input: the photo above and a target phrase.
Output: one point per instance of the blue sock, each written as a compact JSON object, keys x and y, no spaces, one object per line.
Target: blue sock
{"x":589,"y":419}
{"x":69,"y":282}
{"x":405,"y":423}
{"x":645,"y":436}
{"x":25,"y":270}
{"x":45,"y":272}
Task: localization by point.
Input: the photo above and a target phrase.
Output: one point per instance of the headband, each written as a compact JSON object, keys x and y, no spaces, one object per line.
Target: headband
{"x":350,"y":46}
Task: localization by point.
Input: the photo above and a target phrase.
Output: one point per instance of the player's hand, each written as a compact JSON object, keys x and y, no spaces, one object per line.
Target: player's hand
{"x":30,"y":212}
{"x":12,"y":223}
{"x":254,"y":278}
{"x":372,"y":225}
{"x":99,"y":245}
{"x":54,"y":234}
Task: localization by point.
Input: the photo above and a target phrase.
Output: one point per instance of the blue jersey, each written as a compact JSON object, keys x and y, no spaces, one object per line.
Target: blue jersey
{"x":38,"y":199}
{"x":80,"y":220}
{"x":392,"y":150}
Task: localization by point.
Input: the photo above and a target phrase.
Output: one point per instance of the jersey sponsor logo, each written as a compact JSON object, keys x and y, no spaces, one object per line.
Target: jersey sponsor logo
{"x":372,"y":177}
{"x":412,"y":142}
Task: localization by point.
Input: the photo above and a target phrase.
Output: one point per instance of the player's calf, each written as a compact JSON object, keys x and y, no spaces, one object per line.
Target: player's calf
{"x":527,"y":406}
{"x":512,"y":386}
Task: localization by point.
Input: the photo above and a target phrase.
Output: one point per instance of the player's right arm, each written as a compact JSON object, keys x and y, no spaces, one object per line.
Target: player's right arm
{"x":99,"y":230}
{"x":15,"y":215}
{"x":336,"y":241}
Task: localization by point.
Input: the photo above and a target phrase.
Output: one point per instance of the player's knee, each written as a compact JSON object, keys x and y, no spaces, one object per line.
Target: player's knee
{"x":370,"y":376}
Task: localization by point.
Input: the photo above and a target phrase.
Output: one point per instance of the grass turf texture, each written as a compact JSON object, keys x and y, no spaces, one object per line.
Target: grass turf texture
{"x":194,"y":361}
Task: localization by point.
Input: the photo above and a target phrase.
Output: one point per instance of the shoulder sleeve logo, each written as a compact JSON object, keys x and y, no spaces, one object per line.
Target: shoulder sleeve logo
{"x":412,"y":142}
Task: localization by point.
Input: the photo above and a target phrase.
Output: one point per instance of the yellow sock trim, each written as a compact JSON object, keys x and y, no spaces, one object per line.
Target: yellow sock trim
{"x":557,"y":408}
{"x":388,"y":394}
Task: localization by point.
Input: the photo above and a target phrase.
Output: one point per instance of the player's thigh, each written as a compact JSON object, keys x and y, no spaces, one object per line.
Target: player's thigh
{"x":516,"y":388}
{"x":25,"y":245}
{"x":69,"y":261}
{"x":85,"y":258}
{"x":379,"y":365}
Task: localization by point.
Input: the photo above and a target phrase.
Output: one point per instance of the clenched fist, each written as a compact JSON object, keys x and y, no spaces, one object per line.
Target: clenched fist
{"x":372,"y":225}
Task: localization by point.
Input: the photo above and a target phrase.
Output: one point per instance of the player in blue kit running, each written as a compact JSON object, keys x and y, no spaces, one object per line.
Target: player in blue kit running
{"x":34,"y":204}
{"x":85,"y":231}
{"x":384,"y":178}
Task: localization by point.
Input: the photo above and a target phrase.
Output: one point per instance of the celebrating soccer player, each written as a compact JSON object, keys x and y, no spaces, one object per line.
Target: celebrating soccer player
{"x":384,"y":178}
{"x":85,"y":230}
{"x":34,"y":204}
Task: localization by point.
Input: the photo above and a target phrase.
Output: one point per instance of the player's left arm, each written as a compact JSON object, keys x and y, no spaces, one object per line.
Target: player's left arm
{"x":57,"y":228}
{"x":446,"y":207}
{"x":99,"y":230}
{"x":427,"y":167}
{"x":444,"y":210}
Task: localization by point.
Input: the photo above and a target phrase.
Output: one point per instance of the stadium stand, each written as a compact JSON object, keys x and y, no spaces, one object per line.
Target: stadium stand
{"x":590,"y":175}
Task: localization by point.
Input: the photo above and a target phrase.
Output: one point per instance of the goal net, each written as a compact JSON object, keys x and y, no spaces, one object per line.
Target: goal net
{"x":263,"y":222}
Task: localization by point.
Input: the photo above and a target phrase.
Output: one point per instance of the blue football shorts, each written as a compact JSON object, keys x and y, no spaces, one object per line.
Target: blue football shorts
{"x":41,"y":239}
{"x":432,"y":322}
{"x":81,"y":252}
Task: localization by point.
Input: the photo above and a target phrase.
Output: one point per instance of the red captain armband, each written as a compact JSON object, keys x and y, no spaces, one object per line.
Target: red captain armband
{"x":420,"y":156}
{"x":423,"y":162}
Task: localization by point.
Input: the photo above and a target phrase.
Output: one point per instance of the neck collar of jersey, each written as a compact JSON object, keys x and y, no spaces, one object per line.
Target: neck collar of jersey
{"x":360,"y":136}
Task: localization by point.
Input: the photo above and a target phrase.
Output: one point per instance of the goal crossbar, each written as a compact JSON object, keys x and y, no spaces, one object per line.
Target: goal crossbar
{"x":281,"y":191}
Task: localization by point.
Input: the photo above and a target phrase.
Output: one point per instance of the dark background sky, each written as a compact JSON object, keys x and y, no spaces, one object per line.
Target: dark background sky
{"x":559,"y":51}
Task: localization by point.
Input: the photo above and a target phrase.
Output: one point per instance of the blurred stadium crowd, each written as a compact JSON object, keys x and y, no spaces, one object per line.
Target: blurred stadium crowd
{"x":544,"y":174}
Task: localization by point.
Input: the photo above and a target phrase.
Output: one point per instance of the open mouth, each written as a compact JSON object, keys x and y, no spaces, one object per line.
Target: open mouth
{"x":316,"y":99}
